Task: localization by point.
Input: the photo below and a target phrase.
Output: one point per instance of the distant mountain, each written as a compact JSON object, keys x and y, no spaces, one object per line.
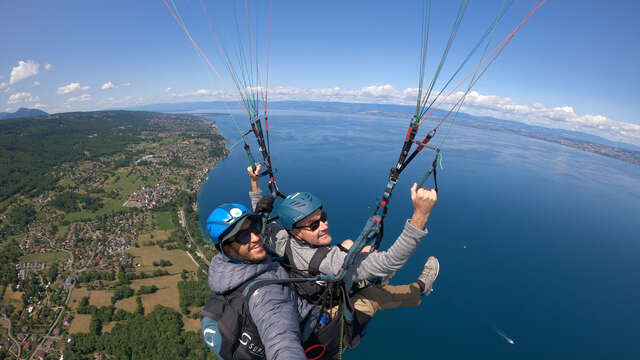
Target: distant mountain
{"x":405,"y":111}
{"x":22,"y":112}
{"x":177,"y":107}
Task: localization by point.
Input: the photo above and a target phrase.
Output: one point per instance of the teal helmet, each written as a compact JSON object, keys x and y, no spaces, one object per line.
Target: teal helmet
{"x":296,"y":207}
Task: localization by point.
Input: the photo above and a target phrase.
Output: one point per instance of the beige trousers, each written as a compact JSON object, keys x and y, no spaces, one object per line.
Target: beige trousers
{"x":384,"y":297}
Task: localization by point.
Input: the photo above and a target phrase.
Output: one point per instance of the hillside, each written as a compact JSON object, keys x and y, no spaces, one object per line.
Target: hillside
{"x":99,"y":232}
{"x":22,"y":113}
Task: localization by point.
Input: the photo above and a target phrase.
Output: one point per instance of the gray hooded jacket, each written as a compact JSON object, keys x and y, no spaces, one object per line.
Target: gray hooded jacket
{"x":276,"y":310}
{"x":366,"y":266}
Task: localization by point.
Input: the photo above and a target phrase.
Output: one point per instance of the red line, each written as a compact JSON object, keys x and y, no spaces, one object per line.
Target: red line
{"x":266,"y":88}
{"x":204,"y":56}
{"x":446,"y":50}
{"x":406,"y":138}
{"x":222,"y":52}
{"x":497,"y":50}
{"x":253,"y":43}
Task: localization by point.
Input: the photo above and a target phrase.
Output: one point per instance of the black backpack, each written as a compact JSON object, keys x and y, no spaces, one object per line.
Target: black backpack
{"x":239,"y":334}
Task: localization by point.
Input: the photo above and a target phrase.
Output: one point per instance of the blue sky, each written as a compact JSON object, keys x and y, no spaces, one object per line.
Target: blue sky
{"x":573,"y":65}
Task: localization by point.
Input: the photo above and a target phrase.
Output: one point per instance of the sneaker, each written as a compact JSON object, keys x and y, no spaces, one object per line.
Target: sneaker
{"x":429,"y":274}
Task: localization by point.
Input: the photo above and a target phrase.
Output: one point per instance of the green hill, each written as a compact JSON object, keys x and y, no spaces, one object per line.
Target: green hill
{"x":31,"y":147}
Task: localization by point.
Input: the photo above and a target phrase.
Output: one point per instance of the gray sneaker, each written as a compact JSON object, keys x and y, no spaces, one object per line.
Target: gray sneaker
{"x":429,"y":274}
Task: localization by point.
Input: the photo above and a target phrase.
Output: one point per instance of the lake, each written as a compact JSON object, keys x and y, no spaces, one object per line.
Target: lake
{"x":537,"y":242}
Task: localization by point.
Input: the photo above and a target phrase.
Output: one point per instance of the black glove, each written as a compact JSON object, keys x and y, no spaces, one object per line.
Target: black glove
{"x":265,"y":204}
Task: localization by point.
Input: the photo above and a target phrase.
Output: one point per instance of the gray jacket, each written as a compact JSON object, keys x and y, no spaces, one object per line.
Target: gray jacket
{"x":366,"y":266}
{"x":276,"y":310}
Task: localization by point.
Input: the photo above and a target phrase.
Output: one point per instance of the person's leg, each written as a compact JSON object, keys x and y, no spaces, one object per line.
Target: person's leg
{"x":383,"y":297}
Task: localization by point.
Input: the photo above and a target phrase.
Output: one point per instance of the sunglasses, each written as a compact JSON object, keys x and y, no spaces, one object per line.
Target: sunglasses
{"x":316,"y":224}
{"x":243,"y":237}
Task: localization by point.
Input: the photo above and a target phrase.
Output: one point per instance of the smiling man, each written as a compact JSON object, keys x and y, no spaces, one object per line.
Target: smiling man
{"x":303,"y":238}
{"x":242,"y":258}
{"x":245,"y":322}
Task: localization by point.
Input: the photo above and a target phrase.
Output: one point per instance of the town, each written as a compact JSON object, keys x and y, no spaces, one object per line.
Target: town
{"x":120,"y":223}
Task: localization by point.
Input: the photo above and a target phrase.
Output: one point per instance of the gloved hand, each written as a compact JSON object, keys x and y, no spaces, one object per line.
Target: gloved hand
{"x":265,"y":204}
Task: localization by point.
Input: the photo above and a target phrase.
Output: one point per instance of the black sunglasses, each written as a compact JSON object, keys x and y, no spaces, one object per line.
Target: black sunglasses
{"x":243,"y":237}
{"x":316,"y":224}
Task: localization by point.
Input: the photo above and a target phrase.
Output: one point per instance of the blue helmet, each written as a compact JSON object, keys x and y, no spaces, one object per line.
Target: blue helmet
{"x":222,"y":220}
{"x":296,"y":207}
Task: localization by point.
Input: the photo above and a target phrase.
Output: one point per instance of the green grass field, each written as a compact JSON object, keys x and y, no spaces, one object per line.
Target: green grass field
{"x":50,"y":257}
{"x":126,"y":183}
{"x":163,"y":220}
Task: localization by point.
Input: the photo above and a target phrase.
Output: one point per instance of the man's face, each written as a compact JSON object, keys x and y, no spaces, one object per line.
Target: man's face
{"x":253,"y":251}
{"x":313,"y":229}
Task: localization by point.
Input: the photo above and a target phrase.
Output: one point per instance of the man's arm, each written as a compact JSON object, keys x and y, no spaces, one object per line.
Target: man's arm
{"x":254,"y":178}
{"x":385,"y":263}
{"x":274,"y":310}
{"x":275,"y":236}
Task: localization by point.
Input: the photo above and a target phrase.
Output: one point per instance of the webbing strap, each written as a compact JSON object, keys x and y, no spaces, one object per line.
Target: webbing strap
{"x":369,"y":232}
{"x":256,"y":127}
{"x":317,"y":258}
{"x":258,"y":283}
{"x":432,"y":169}
{"x":421,"y":146}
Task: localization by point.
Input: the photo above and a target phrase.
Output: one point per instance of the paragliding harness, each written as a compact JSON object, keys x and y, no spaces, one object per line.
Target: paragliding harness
{"x":239,"y":335}
{"x":310,"y":283}
{"x":319,"y":292}
{"x":373,"y":231}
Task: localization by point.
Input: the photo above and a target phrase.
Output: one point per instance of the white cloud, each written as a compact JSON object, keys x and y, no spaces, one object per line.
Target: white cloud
{"x":561,"y":117}
{"x":108,"y":85}
{"x":48,"y":67}
{"x":167,"y":89}
{"x":374,"y":94}
{"x":79,"y":99}
{"x":22,"y":97}
{"x":3,"y":85}
{"x":125,"y":84}
{"x":24,"y":70}
{"x":125,"y":101}
{"x":36,"y":83}
{"x":40,"y":106}
{"x":201,"y":93}
{"x":71,"y":88}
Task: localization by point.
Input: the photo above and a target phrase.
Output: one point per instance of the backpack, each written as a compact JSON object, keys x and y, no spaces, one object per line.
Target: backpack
{"x":229,"y":330}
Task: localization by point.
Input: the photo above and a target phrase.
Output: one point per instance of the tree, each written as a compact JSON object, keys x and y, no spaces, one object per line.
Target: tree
{"x":95,"y":327}
{"x":140,"y":308}
{"x":22,"y":216}
{"x":52,"y":272}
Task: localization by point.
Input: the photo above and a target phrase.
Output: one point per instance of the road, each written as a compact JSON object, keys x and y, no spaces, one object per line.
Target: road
{"x":183,"y":222}
{"x":4,"y":317}
{"x":62,"y":308}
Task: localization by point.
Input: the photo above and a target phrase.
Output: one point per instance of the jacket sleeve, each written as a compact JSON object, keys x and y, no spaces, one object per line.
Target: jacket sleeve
{"x":274,"y":310}
{"x":379,"y":263}
{"x":275,"y":236}
{"x":255,"y":196}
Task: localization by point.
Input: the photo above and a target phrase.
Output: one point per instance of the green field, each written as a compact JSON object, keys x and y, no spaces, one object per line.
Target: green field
{"x":163,"y":220}
{"x":126,"y":183}
{"x":50,"y":257}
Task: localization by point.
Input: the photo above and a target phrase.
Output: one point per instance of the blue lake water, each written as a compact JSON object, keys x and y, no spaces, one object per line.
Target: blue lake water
{"x":538,"y":241}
